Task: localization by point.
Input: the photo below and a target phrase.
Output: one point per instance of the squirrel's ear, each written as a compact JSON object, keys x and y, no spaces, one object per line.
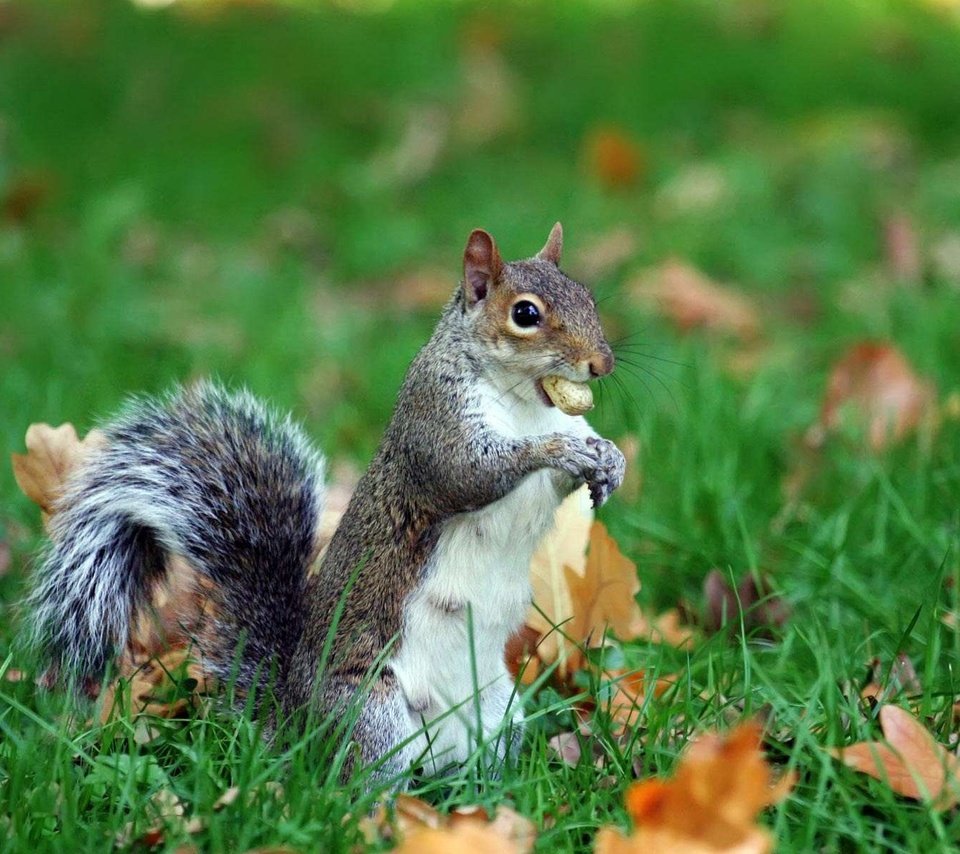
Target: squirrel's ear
{"x":553,"y":247}
{"x":481,"y":266}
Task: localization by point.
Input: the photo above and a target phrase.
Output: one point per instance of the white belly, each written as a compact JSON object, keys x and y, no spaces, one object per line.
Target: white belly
{"x":455,"y":681}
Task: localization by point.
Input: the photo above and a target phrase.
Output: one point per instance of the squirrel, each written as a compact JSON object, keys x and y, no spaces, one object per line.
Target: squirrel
{"x":425,"y":578}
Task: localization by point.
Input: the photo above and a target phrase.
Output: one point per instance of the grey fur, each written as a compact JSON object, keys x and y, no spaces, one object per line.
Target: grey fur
{"x":216,"y":478}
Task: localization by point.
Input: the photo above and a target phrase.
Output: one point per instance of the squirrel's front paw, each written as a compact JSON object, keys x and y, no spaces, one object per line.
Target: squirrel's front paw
{"x":608,"y":474}
{"x":594,"y":461}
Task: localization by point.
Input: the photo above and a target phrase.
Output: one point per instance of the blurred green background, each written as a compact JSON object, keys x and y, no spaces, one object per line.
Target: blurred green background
{"x":279,"y":193}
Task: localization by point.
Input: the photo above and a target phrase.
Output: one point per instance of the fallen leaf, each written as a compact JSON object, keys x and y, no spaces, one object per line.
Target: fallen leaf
{"x":167,"y":812}
{"x":614,"y":158}
{"x":887,"y":682}
{"x":753,"y":601}
{"x":24,"y":196}
{"x":415,"y":154}
{"x":227,"y":798}
{"x":687,"y":297}
{"x":630,"y":690}
{"x":910,"y":761}
{"x":490,"y":105}
{"x":465,"y":838}
{"x":566,"y":746}
{"x":605,"y":595}
{"x":564,"y":546}
{"x":874,"y":388}
{"x":166,"y":686}
{"x":902,"y":247}
{"x":52,"y":454}
{"x":603,"y":256}
{"x":710,"y":805}
{"x":6,"y":557}
{"x":521,"y":656}
{"x":14,"y":675}
{"x":698,"y":189}
{"x":583,"y":595}
{"x":420,"y":827}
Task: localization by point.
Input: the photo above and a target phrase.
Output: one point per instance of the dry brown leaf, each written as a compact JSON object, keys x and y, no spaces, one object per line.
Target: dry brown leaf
{"x":605,"y":595}
{"x":227,"y":798}
{"x":753,"y":599}
{"x":420,"y":827}
{"x":911,"y":762}
{"x":168,"y":811}
{"x":6,"y":557}
{"x":583,"y":596}
{"x":490,"y":105}
{"x":630,"y":690}
{"x":465,"y":838}
{"x":614,"y":158}
{"x":565,"y":546}
{"x":687,"y":297}
{"x":164,"y":687}
{"x":875,"y":388}
{"x":606,"y":254}
{"x":902,"y":247}
{"x":52,"y":454}
{"x":710,"y":804}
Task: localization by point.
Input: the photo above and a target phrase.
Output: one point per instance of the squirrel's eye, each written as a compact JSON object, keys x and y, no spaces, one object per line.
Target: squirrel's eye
{"x":525,"y":314}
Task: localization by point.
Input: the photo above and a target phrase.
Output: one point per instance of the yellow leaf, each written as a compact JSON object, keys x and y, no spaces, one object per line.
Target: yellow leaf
{"x":52,"y":455}
{"x":565,"y":546}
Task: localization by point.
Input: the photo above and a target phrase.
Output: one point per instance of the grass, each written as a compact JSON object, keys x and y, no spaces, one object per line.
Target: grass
{"x":207,"y":207}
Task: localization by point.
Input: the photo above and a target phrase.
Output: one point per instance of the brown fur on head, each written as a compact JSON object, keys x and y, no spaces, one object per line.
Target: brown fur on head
{"x":535,"y":320}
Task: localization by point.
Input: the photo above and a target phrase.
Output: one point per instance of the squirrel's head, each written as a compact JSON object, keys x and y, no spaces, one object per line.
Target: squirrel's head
{"x":534,"y":320}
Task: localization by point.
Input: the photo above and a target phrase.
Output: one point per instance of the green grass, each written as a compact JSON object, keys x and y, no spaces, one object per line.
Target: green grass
{"x":169,"y":148}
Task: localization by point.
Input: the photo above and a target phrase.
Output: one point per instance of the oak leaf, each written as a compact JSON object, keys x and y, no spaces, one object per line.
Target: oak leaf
{"x":910,"y":761}
{"x":53,"y":453}
{"x":710,"y":804}
{"x":577,"y":596}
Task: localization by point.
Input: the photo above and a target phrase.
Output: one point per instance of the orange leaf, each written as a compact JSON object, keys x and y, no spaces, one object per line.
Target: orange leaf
{"x":463,"y":838}
{"x":605,"y":595}
{"x":565,"y":546}
{"x":692,"y":301}
{"x":52,"y":455}
{"x":614,"y":158}
{"x":709,"y":805}
{"x":422,"y":828}
{"x":911,"y":762}
{"x":874,"y":387}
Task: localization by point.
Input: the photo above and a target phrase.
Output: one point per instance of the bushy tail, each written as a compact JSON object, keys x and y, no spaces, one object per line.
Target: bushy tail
{"x":206,"y":474}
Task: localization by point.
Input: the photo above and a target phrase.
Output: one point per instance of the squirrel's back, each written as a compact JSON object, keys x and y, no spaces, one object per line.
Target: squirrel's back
{"x":212,"y":476}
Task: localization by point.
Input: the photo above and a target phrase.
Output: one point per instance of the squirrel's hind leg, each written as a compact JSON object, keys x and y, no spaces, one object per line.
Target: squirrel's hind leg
{"x":384,"y":739}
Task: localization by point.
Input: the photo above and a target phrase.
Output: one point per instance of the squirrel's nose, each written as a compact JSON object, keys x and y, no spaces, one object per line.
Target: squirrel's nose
{"x":601,"y":364}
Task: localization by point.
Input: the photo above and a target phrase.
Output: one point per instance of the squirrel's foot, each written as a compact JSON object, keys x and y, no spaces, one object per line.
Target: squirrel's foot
{"x":608,"y":474}
{"x":594,"y":461}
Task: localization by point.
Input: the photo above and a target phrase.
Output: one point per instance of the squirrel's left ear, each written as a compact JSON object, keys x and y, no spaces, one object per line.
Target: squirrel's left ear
{"x":481,"y":266}
{"x":553,"y":247}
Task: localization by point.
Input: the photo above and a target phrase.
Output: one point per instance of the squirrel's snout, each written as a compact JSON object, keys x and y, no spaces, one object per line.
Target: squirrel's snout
{"x":601,"y":364}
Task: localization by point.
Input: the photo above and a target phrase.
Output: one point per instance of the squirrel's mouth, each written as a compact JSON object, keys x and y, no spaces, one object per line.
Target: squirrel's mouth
{"x":544,"y":397}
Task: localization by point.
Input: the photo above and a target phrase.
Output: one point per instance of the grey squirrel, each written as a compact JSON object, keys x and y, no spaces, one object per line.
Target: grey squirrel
{"x":426,"y":576}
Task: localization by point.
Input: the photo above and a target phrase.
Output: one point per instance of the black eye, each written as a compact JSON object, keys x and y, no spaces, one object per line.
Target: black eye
{"x":525,"y":314}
